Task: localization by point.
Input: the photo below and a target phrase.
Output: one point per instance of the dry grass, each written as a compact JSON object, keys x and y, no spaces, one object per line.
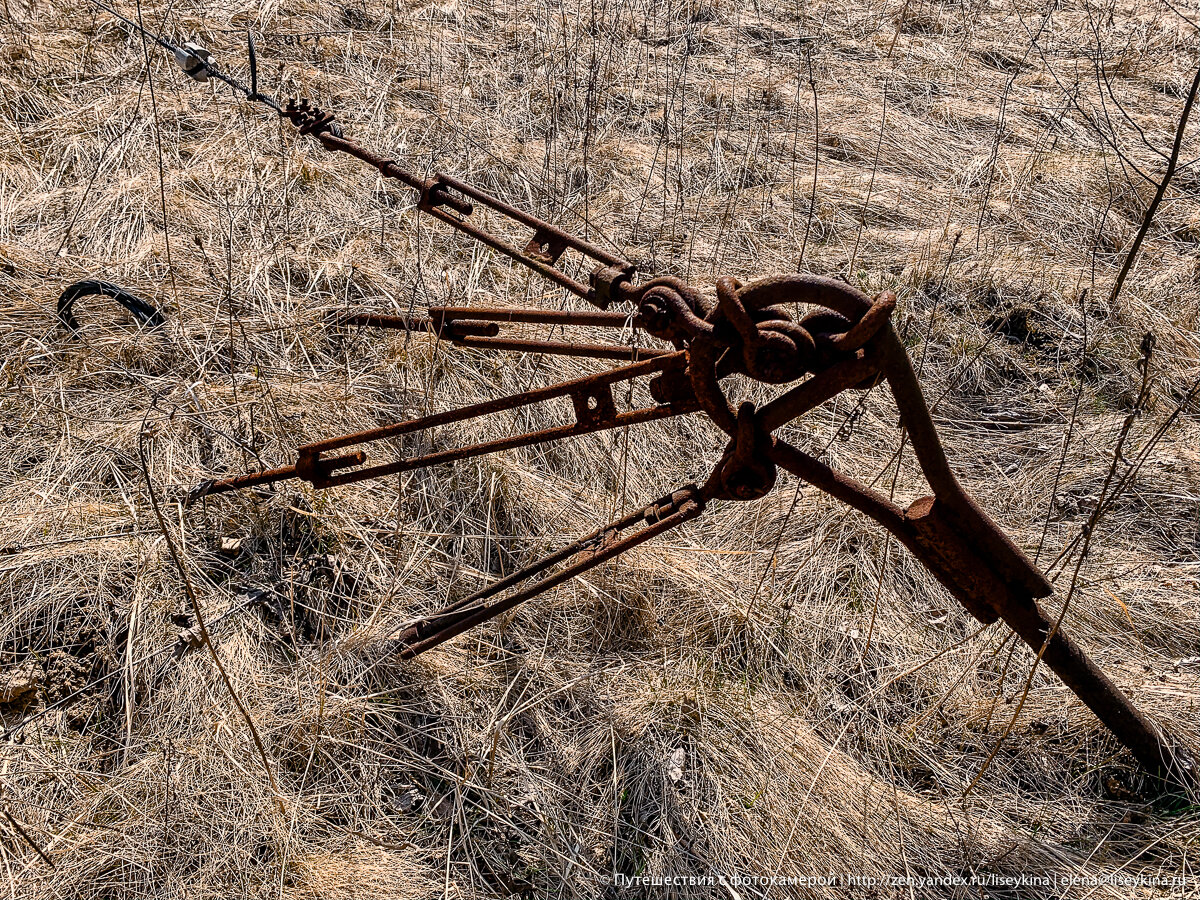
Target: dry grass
{"x":535,"y":754}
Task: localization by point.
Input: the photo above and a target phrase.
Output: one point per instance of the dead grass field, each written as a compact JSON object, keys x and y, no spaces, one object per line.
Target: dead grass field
{"x":774,"y":690}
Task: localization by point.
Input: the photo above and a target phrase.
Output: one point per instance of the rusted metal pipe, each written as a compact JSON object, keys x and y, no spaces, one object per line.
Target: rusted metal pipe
{"x":449,"y":329}
{"x":468,"y":327}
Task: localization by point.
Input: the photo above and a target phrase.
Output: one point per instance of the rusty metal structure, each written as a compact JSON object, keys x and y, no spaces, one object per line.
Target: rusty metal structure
{"x":847,"y":343}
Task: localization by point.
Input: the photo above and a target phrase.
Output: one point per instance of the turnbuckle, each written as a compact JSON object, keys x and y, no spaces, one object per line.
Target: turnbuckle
{"x":591,"y":399}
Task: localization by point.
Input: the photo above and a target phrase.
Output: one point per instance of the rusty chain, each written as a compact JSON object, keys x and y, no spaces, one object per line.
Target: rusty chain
{"x":847,"y":344}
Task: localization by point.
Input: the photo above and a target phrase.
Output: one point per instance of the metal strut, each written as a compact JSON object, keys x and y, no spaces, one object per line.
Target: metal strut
{"x":849,"y":344}
{"x":591,"y":397}
{"x":600,"y":546}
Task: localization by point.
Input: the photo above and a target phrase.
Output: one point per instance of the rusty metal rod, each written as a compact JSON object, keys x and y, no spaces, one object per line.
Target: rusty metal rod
{"x":324,"y":470}
{"x":564,"y":389}
{"x":1024,"y":582}
{"x":922,"y":432}
{"x":546,"y":270}
{"x":978,"y":563}
{"x":634,"y":417}
{"x":252,"y":479}
{"x":311,"y":466}
{"x":812,"y":393}
{"x":479,"y":328}
{"x":566,"y":239}
{"x":419,"y":630}
{"x":563,"y":348}
{"x":544,"y":248}
{"x":1149,"y":745}
{"x":531,"y":316}
{"x":273,"y":476}
{"x":389,"y":168}
{"x":456,"y":328}
{"x":947,"y":559}
{"x":841,"y":487}
{"x":423,"y":636}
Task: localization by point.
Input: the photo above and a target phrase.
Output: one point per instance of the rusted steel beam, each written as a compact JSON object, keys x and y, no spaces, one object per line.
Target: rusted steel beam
{"x":970,"y":575}
{"x":548,"y":237}
{"x":1156,"y":751}
{"x":812,"y":393}
{"x":948,"y":532}
{"x":480,"y":328}
{"x":539,"y":265}
{"x":450,"y":200}
{"x":312,"y":121}
{"x":922,"y":433}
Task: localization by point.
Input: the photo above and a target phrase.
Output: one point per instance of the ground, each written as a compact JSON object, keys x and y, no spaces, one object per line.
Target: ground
{"x":774,"y":690}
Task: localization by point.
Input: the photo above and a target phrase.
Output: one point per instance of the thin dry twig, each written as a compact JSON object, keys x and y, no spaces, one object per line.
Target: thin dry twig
{"x":198,"y":612}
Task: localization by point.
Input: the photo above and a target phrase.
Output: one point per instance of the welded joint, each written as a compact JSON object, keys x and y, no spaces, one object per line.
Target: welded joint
{"x":606,"y":284}
{"x":594,"y":405}
{"x":546,"y":246}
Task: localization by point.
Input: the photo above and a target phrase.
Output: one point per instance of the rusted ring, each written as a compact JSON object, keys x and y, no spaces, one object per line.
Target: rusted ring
{"x":774,"y":349}
{"x":671,"y":310}
{"x":868,"y":326}
{"x":835,"y":295}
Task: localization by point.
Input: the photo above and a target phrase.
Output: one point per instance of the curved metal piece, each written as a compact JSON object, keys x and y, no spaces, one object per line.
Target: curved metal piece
{"x":671,"y":310}
{"x":746,"y":471}
{"x":874,"y":319}
{"x":774,"y":350}
{"x":775,"y":290}
{"x":146,"y":315}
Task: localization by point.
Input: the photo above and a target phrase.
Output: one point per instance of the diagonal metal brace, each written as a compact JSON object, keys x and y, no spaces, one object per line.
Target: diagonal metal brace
{"x":588,"y":552}
{"x":591,"y":397}
{"x":948,"y":531}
